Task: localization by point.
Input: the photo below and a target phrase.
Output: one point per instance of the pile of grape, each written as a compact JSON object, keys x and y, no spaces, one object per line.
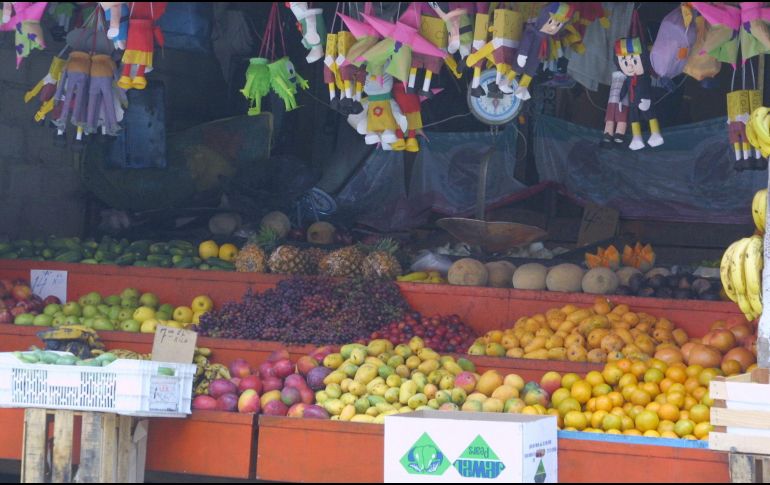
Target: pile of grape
{"x":301,"y":310}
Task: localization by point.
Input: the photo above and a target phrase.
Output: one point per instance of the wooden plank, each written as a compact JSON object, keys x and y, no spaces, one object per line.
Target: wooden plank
{"x":63,"y":424}
{"x":741,"y":419}
{"x":126,"y":451}
{"x":742,"y":469}
{"x":140,"y":443}
{"x":90,"y":448}
{"x":764,"y":464}
{"x":737,"y":443}
{"x":109,"y":448}
{"x":34,"y":446}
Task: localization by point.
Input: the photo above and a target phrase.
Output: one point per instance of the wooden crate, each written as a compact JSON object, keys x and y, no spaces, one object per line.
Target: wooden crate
{"x":741,"y":413}
{"x":112,"y":447}
{"x":749,"y":468}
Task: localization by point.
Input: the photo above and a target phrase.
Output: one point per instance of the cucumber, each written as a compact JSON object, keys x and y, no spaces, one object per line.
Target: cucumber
{"x":185,"y":263}
{"x":66,"y":360}
{"x":26,"y":251}
{"x":177,"y":252}
{"x":108,"y":261}
{"x":6,"y":248}
{"x":159,"y":248}
{"x":88,"y":252}
{"x":89,"y":261}
{"x":204,"y":267}
{"x":217,"y":263}
{"x":69,"y":257}
{"x":22,"y":243}
{"x":38,"y":243}
{"x":9,"y":255}
{"x":72,"y":244}
{"x":144,"y":264}
{"x":126,"y":260}
{"x":117,"y":248}
{"x":184,"y":245}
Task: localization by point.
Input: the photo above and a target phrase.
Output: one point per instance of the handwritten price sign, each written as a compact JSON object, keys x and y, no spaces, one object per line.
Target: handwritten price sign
{"x":45,"y":283}
{"x":174,"y":345}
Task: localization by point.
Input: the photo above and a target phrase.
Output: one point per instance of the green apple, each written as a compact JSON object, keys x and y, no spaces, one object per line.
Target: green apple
{"x":149,"y":300}
{"x":103,"y":309}
{"x":130,"y":325}
{"x":42,"y":320}
{"x":87,"y":322}
{"x":93,"y":298}
{"x":162,"y":315}
{"x":101,"y":323}
{"x":73,"y":320}
{"x":114,"y":312}
{"x":82,"y":301}
{"x":24,"y":319}
{"x":59,"y":314}
{"x":59,"y":320}
{"x":89,"y":311}
{"x":125,"y":314}
{"x":129,"y":303}
{"x":112,"y":300}
{"x":52,"y":309}
{"x":72,"y":309}
{"x":129,"y":293}
{"x":166,"y":308}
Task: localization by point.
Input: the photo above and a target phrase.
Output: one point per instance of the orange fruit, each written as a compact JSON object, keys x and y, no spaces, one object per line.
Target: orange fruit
{"x":699,"y":392}
{"x":594,"y":378}
{"x":666,"y":425}
{"x":689,"y":402}
{"x":632,"y":432}
{"x":700,"y":414}
{"x":614,"y":431}
{"x":657,"y":364}
{"x":651,"y":434}
{"x":540,"y":409}
{"x":669,"y":412}
{"x":567,"y":405}
{"x":640,"y":397}
{"x":627,"y":392}
{"x":618,"y":412}
{"x":654,"y":374}
{"x":612,"y":373}
{"x":601,"y":390}
{"x":677,"y":388}
{"x":694,"y":370}
{"x":569,"y":379}
{"x":576,"y":420}
{"x":706,"y":375}
{"x":684,"y":427}
{"x":597,"y":418}
{"x":624,"y":365}
{"x":581,"y":391}
{"x":650,"y":388}
{"x":588,"y":415}
{"x":627,"y":423}
{"x":660,"y":398}
{"x":559,"y":395}
{"x":675,"y":398}
{"x":627,"y":407}
{"x":603,"y":403}
{"x":669,"y":434}
{"x":591,"y":404}
{"x":638,"y":368}
{"x":684,"y":414}
{"x":677,"y":374}
{"x":702,"y":430}
{"x":665,"y":384}
{"x":653,"y":406}
{"x":691,"y":437}
{"x":616,"y":398}
{"x":612,"y":422}
{"x":631,"y":318}
{"x":707,"y":400}
{"x":635,"y":411}
{"x":627,"y":380}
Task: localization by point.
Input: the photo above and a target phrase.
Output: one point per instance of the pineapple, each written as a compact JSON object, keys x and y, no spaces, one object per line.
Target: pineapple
{"x":345,"y":262}
{"x":252,"y":258}
{"x":381,"y":262}
{"x":288,"y":260}
{"x":314,"y":257}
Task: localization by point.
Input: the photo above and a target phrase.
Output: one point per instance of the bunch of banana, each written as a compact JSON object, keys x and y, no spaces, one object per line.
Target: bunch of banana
{"x":201,"y":360}
{"x":422,"y":277}
{"x":741,"y":274}
{"x":129,"y":354}
{"x":758,"y":130}
{"x":759,"y":210}
{"x":211,"y":373}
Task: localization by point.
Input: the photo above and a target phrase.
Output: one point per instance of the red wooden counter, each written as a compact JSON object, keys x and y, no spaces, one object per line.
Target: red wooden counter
{"x":294,"y":450}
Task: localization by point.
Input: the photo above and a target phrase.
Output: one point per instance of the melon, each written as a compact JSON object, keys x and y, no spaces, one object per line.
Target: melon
{"x":625,"y":274}
{"x":600,"y":281}
{"x":640,"y":257}
{"x":278,"y":222}
{"x":567,"y":278}
{"x":321,"y":233}
{"x":530,"y":276}
{"x":604,"y":258}
{"x":224,"y":224}
{"x":500,"y":274}
{"x":468,"y":272}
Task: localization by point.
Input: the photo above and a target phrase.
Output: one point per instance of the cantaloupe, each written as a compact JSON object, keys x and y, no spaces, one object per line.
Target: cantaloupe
{"x":530,"y":276}
{"x":278,"y":222}
{"x":321,"y":233}
{"x":640,"y":257}
{"x":500,"y":274}
{"x":565,"y":277}
{"x":468,"y":272}
{"x":224,"y":224}
{"x":600,"y":281}
{"x":604,"y":258}
{"x":625,"y":274}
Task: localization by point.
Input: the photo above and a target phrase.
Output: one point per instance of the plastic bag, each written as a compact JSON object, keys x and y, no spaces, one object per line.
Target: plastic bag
{"x":430,"y":261}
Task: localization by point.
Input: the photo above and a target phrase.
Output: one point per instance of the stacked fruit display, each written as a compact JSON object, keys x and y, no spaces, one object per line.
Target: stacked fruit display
{"x":130,"y":311}
{"x":16,"y":299}
{"x":743,"y":262}
{"x":605,"y":332}
{"x":309,"y":310}
{"x":442,"y":333}
{"x":45,"y":357}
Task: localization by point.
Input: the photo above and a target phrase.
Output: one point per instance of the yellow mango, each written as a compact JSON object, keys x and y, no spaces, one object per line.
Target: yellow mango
{"x":365,"y":374}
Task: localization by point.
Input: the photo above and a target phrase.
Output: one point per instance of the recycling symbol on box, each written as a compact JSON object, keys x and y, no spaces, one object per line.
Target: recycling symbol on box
{"x":425,"y":458}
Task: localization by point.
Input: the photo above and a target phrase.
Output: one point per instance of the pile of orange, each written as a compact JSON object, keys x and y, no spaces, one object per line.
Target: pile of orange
{"x":637,"y":398}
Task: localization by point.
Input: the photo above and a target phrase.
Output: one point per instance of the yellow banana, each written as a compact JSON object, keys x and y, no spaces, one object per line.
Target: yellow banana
{"x":752,"y":271}
{"x":414,"y":277}
{"x":759,"y":129}
{"x":736,"y":267}
{"x":759,"y":209}
{"x":724,"y":272}
{"x":745,"y":306}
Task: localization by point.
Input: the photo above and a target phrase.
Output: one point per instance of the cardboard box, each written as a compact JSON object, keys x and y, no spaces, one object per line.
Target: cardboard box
{"x":443,"y":447}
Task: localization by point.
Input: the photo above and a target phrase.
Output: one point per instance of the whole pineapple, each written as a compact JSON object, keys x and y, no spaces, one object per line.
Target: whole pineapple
{"x":314,"y":257}
{"x":381,"y":261}
{"x":342,"y":263}
{"x":252,"y":258}
{"x":288,"y":260}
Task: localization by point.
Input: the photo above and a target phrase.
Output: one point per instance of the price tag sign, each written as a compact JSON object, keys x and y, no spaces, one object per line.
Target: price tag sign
{"x":174,"y":345}
{"x":46,"y":282}
{"x":599,"y":223}
{"x":164,"y":394}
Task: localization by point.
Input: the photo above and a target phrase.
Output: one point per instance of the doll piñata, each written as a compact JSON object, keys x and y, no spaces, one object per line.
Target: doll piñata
{"x":143,"y":33}
{"x":616,"y":119}
{"x":312,"y":27}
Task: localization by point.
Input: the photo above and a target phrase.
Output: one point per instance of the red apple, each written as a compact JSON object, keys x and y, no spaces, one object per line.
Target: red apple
{"x":240,"y":368}
{"x":250,"y":382}
{"x":21,"y":292}
{"x":248,"y":402}
{"x":50,"y":300}
{"x":6,"y":316}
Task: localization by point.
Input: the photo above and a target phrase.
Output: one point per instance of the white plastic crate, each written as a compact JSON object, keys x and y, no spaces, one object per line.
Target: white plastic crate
{"x":128,"y":387}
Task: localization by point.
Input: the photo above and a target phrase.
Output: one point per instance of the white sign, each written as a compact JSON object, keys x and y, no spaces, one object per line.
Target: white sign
{"x":164,"y":394}
{"x":444,"y":447}
{"x":46,"y":282}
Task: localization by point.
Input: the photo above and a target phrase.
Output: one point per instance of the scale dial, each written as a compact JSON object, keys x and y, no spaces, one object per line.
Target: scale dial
{"x":493,"y":111}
